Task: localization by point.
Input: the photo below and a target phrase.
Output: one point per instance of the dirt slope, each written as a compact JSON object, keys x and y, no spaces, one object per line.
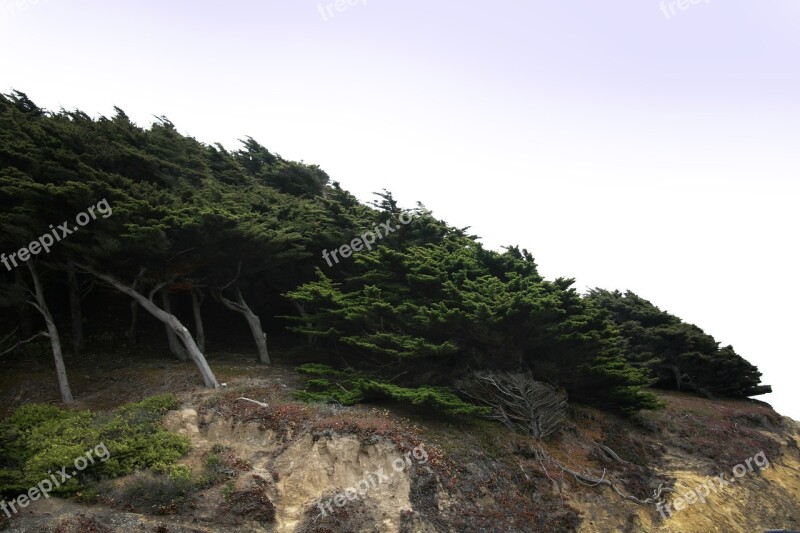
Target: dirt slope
{"x":289,"y":467}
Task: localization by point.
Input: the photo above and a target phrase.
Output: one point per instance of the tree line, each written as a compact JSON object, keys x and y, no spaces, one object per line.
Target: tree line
{"x":427,"y":305}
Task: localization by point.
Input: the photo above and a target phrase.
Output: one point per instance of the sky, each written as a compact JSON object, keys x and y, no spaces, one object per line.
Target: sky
{"x":635,"y":145}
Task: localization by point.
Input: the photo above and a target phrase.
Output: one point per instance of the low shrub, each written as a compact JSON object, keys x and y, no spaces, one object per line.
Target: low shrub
{"x":38,"y":439}
{"x":158,"y":494}
{"x":349,"y":388}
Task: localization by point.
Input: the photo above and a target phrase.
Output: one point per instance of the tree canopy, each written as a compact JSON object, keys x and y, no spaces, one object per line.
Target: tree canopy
{"x":424,"y":305}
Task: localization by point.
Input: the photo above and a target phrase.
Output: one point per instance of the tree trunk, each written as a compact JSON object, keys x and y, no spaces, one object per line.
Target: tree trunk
{"x":25,"y":318}
{"x":240,"y":306}
{"x":302,"y":311}
{"x":133,"y":332}
{"x":200,"y":332}
{"x":172,"y":338}
{"x":180,"y":330}
{"x":676,"y":372}
{"x":75,"y":311}
{"x":52,"y":332}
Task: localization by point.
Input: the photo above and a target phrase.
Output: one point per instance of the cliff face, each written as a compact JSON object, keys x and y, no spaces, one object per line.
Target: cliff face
{"x":289,"y":467}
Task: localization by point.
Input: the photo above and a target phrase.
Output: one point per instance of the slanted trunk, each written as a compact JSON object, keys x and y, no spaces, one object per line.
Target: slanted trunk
{"x":52,"y":333}
{"x":241,"y":307}
{"x":172,"y":321}
{"x":75,"y":311}
{"x":133,"y":332}
{"x":174,"y":344}
{"x":200,"y":332}
{"x":302,"y":311}
{"x":678,"y":375}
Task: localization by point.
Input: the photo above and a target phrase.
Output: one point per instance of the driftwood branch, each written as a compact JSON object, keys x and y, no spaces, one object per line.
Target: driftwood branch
{"x":260,"y":404}
{"x":611,"y":453}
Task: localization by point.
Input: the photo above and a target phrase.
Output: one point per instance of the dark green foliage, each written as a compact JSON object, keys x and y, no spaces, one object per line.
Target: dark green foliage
{"x":349,"y":388}
{"x":680,"y":355}
{"x":37,"y":439}
{"x":420,"y":310}
{"x":427,"y":308}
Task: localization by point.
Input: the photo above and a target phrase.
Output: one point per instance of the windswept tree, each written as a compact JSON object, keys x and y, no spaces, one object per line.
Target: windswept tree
{"x":424,"y":312}
{"x":680,"y":356}
{"x":420,"y":306}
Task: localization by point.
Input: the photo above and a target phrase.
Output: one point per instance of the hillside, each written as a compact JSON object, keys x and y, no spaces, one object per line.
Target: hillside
{"x":289,"y":457}
{"x":226,"y":339}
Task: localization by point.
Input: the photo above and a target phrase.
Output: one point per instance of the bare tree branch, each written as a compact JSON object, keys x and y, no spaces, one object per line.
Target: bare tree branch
{"x":20,"y":343}
{"x":260,"y":404}
{"x":519,"y":402}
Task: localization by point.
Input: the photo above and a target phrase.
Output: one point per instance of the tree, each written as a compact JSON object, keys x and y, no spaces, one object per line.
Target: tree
{"x":179,"y":329}
{"x":680,"y":356}
{"x":426,"y":311}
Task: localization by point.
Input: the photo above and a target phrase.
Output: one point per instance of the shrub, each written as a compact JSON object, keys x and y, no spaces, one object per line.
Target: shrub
{"x":155,"y":493}
{"x":220,"y":465}
{"x":37,"y":439}
{"x":349,"y":388}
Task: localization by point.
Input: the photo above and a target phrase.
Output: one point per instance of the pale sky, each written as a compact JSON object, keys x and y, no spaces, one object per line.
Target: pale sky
{"x":627,"y":144}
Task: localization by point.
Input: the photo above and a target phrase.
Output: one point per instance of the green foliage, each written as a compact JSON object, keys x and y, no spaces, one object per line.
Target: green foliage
{"x":216,"y":468}
{"x":431,"y":397}
{"x":317,"y":369}
{"x":412,"y":316}
{"x":37,"y":439}
{"x":679,"y":355}
{"x":350,"y":388}
{"x":433,"y":309}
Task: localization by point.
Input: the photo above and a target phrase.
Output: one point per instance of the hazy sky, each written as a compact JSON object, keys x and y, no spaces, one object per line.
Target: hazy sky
{"x":628,"y":144}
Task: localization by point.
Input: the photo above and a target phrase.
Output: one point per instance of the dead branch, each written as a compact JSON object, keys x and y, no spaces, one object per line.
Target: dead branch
{"x":260,"y":404}
{"x":611,"y":453}
{"x":20,"y":343}
{"x":519,"y":402}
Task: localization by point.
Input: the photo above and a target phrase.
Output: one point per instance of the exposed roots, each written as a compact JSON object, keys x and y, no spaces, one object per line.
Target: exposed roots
{"x":593,"y":481}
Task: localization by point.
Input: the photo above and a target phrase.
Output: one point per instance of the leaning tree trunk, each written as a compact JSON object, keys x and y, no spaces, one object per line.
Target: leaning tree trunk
{"x":25,"y":318}
{"x":302,"y":310}
{"x":75,"y":311}
{"x":52,"y":333}
{"x":174,"y":344}
{"x":241,"y":307}
{"x":172,"y":321}
{"x":133,"y":332}
{"x":200,"y":332}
